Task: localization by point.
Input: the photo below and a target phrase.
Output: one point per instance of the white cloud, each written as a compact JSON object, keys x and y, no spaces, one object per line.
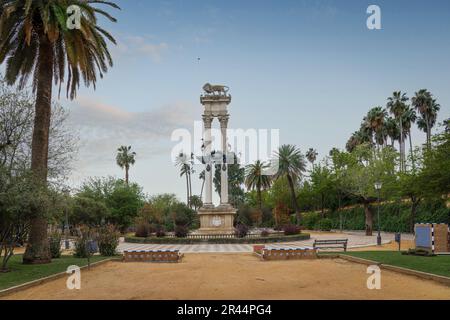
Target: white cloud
{"x":140,"y":45}
{"x":104,"y":128}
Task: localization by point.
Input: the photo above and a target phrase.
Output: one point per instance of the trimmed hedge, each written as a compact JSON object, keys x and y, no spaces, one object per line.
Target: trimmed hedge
{"x":271,"y":239}
{"x":394,"y":217}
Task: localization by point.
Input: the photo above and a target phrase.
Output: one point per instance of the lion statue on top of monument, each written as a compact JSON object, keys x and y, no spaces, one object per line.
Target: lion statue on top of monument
{"x":215,"y":89}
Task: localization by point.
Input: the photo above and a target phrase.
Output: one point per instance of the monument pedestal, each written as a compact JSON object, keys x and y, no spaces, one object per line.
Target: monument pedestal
{"x":217,"y":220}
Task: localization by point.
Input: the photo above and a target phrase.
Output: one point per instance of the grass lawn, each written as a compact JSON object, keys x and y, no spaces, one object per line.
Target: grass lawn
{"x":439,"y":265}
{"x":20,"y":273}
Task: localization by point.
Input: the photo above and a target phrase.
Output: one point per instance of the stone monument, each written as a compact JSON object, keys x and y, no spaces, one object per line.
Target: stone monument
{"x":216,"y":220}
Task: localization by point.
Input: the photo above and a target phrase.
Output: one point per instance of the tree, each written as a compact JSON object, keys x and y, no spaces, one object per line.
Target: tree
{"x":196,"y":202}
{"x":364,"y":135}
{"x":435,"y":175}
{"x":255,"y":179}
{"x":185,"y":165}
{"x":122,"y":201}
{"x":322,"y":185}
{"x":88,"y":211}
{"x":36,"y":42}
{"x":374,"y":122}
{"x":125,"y":158}
{"x":393,"y":130}
{"x":364,"y":167}
{"x":428,"y":108}
{"x":409,"y":117}
{"x":292,"y":165}
{"x":236,"y":179}
{"x":16,"y":127}
{"x":397,"y":106}
{"x":311,"y":155}
{"x":14,"y":224}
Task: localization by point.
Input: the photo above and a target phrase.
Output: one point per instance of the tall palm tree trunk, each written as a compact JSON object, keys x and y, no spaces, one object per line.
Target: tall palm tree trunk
{"x":428,"y":130}
{"x":127,"y":177}
{"x":187,"y":190}
{"x":402,"y":154}
{"x":294,"y":199}
{"x":258,"y":191}
{"x":411,"y":151}
{"x":190,"y":189}
{"x":38,"y":251}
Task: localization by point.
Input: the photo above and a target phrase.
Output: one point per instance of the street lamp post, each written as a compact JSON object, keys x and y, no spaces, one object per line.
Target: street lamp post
{"x":378,"y":186}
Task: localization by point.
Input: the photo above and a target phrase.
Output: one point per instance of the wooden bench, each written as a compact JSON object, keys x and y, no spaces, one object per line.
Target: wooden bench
{"x":331,"y":244}
{"x":169,"y":256}
{"x":298,"y":253}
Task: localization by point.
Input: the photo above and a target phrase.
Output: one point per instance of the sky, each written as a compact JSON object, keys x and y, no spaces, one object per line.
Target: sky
{"x":311,"y":69}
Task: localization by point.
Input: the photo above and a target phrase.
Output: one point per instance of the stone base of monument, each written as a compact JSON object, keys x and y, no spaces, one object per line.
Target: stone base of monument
{"x":217,"y":220}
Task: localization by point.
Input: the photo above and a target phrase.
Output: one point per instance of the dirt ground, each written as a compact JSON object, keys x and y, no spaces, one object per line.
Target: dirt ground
{"x":236,"y":276}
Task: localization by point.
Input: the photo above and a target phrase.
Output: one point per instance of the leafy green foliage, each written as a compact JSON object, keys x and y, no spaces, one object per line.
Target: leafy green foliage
{"x":108,"y":240}
{"x":55,"y":244}
{"x":107,"y":200}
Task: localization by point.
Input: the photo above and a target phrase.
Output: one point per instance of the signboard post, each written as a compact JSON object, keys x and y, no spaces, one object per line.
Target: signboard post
{"x":398,"y":239}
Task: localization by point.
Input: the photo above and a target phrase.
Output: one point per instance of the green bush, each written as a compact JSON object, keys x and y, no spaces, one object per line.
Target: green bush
{"x":326,"y":224}
{"x":291,"y":229}
{"x":108,"y":240}
{"x":55,"y":244}
{"x":81,"y":248}
{"x":394,"y":217}
{"x":142,"y":230}
{"x":241,"y":231}
{"x":270,"y":239}
{"x":181,"y":231}
{"x":310,"y":221}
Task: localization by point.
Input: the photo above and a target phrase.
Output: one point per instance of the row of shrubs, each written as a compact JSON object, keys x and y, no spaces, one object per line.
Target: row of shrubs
{"x":271,"y":239}
{"x":394,"y":217}
{"x":241,"y":231}
{"x":105,"y":240}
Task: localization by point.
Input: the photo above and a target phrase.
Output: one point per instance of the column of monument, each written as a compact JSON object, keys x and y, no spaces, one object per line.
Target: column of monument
{"x":207,"y":122}
{"x":224,"y":168}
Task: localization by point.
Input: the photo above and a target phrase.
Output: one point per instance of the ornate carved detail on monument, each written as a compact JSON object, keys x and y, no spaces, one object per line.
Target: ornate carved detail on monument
{"x":217,"y":221}
{"x":215,"y":92}
{"x":207,"y":121}
{"x":224,"y":121}
{"x":215,"y":89}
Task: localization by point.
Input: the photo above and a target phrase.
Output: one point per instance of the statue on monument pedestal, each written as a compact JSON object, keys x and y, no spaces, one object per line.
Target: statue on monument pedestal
{"x":213,"y":89}
{"x":216,"y":219}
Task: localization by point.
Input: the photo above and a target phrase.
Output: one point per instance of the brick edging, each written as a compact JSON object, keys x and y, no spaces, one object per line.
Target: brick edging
{"x":420,"y":274}
{"x":52,"y":277}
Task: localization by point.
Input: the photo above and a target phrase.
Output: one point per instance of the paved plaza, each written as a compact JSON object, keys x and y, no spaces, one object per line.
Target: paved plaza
{"x":355,"y":240}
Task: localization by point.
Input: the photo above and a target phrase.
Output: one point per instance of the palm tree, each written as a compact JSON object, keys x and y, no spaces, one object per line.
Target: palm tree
{"x":291,"y":164}
{"x":409,"y":117}
{"x":428,"y":108}
{"x":35,"y":42}
{"x":311,"y":155}
{"x":364,"y":135}
{"x":374,"y":121}
{"x":202,"y":176}
{"x":255,"y":179}
{"x":397,"y":106}
{"x":125,"y":158}
{"x":185,"y":170}
{"x":392,"y":130}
